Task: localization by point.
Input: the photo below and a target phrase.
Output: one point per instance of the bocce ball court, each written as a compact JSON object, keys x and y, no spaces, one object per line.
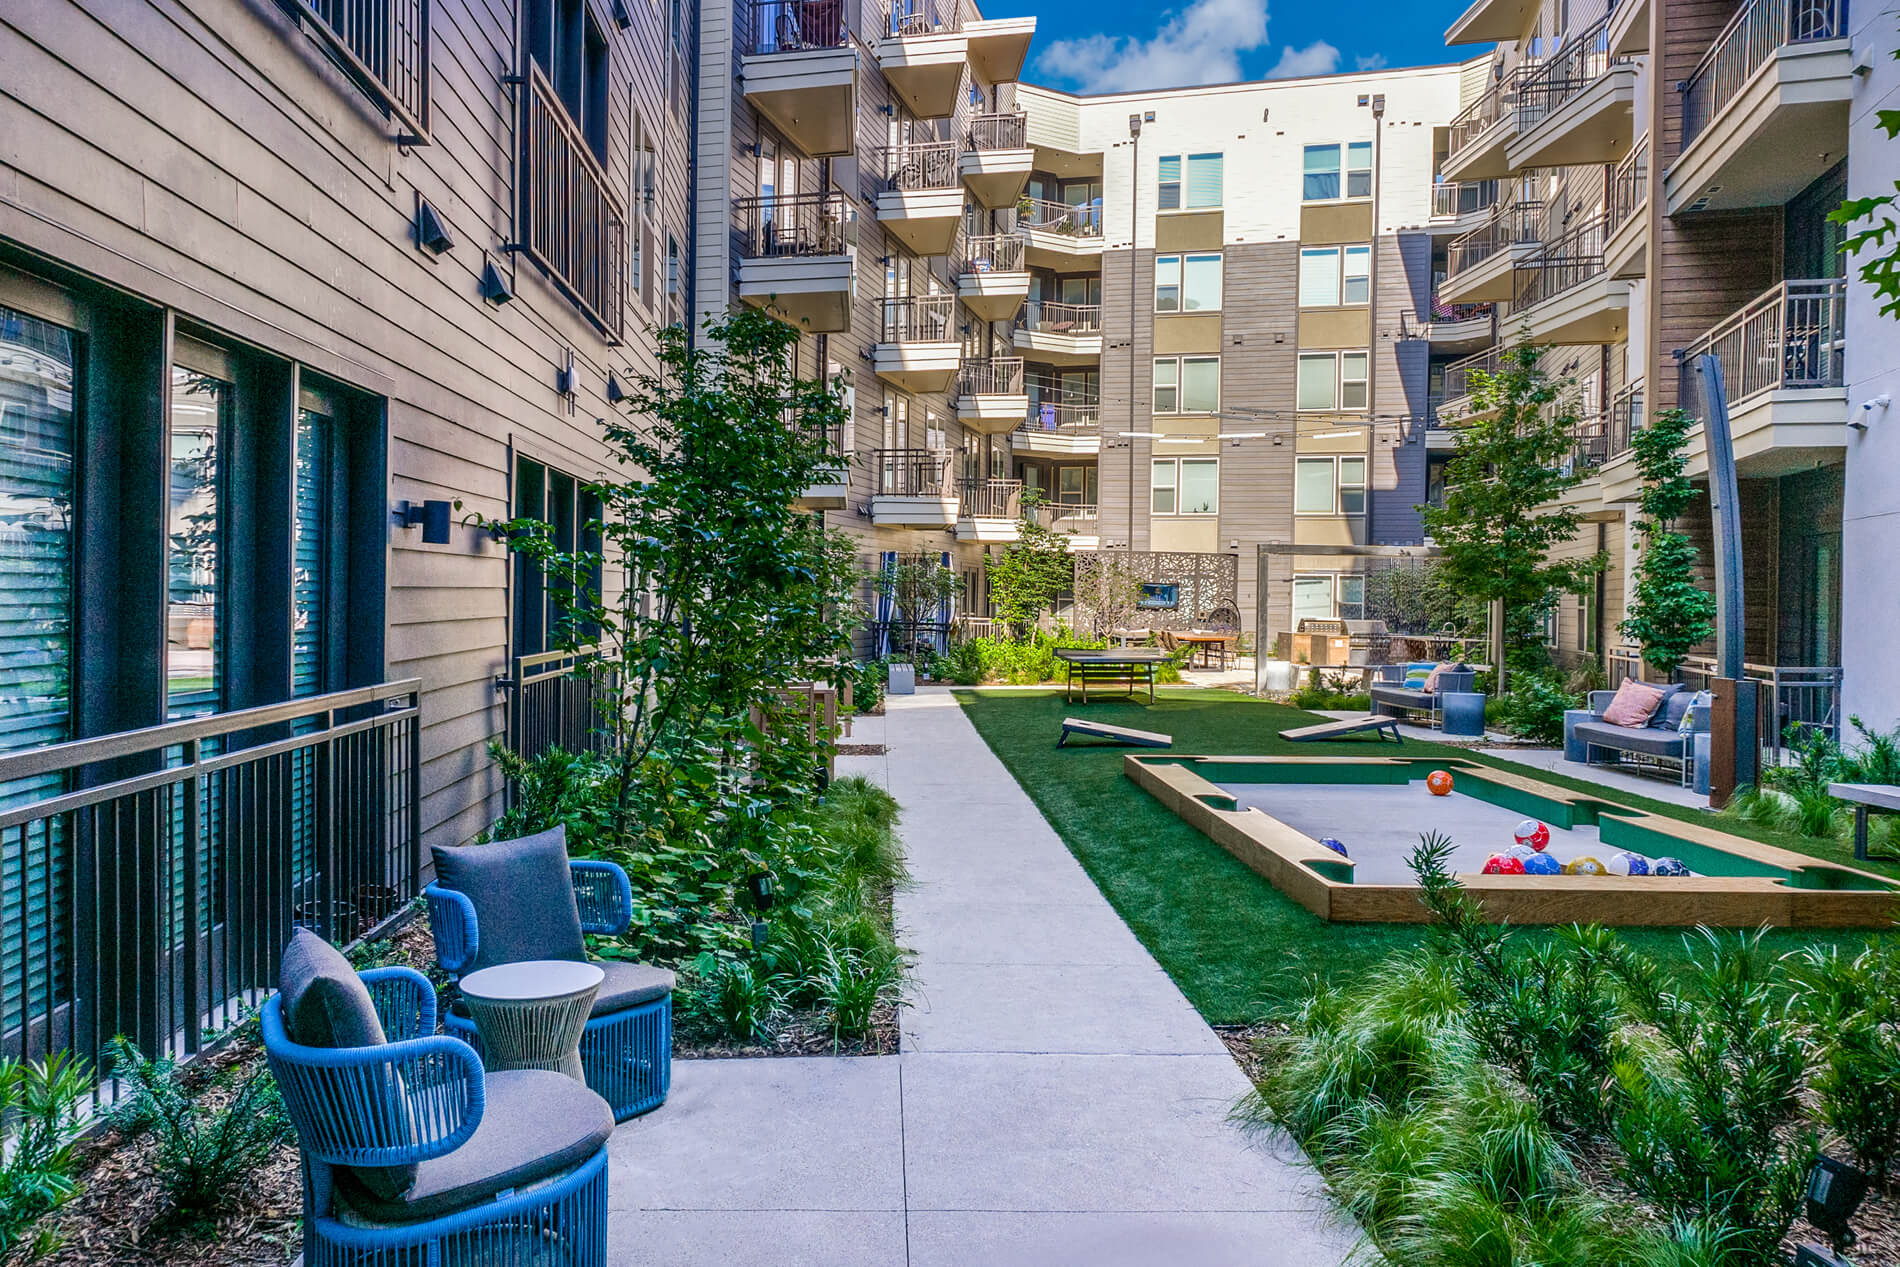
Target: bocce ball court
{"x":1272,"y":813}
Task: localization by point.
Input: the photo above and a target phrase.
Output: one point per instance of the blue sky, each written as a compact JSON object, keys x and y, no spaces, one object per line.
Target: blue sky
{"x":1117,"y":45}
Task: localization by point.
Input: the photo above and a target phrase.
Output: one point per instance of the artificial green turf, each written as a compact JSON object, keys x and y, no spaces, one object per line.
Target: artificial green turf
{"x":1234,"y":944}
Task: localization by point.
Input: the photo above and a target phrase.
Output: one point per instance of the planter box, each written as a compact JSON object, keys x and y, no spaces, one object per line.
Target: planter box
{"x":903,"y":679}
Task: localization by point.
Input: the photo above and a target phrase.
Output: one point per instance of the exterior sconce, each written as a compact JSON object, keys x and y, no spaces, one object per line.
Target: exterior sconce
{"x":430,"y":516}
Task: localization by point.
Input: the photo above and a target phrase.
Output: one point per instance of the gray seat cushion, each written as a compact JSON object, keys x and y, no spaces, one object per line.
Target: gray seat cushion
{"x":1674,"y":706}
{"x":535,"y":1126}
{"x":523,"y":895}
{"x":629,"y":985}
{"x":1399,"y":697}
{"x":1648,"y":740}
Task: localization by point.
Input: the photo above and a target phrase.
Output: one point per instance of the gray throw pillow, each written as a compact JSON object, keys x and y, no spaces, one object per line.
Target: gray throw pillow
{"x":523,"y":895}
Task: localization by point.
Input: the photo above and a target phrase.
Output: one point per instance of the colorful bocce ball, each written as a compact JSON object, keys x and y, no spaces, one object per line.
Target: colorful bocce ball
{"x":1668,"y":866}
{"x":1336,"y":846}
{"x":1542,"y":864}
{"x":1532,"y":834}
{"x":1627,"y":863}
{"x":1503,"y":864}
{"x":1584,"y":865}
{"x":1439,"y":781}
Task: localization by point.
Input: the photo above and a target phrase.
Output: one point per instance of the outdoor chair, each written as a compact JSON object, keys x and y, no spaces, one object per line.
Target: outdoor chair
{"x":517,"y":900}
{"x":412,"y":1152}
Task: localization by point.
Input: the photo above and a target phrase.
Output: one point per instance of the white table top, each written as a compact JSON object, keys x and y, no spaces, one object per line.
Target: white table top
{"x":532,"y":979}
{"x":1878,"y":795}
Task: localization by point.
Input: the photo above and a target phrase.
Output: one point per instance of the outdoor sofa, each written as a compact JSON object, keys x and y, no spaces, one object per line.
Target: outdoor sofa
{"x":1391,"y":697}
{"x":1668,"y":736}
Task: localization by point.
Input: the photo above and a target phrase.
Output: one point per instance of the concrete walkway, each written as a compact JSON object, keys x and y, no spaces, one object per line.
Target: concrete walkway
{"x":1058,"y":1101}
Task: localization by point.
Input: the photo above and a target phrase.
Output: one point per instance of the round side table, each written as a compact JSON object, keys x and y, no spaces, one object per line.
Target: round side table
{"x":531,"y":1014}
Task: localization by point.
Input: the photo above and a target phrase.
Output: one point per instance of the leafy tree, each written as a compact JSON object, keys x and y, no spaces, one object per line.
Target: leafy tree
{"x":1500,"y":519}
{"x":917,"y":587}
{"x":1030,"y":574}
{"x":1881,"y":267}
{"x":1107,"y":591}
{"x":1669,"y":613}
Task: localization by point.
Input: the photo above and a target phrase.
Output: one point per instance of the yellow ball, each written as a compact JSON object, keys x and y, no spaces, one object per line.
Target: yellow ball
{"x":1585,"y":865}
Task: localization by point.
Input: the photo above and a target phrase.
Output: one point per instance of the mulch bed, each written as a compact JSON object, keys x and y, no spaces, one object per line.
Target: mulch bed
{"x":860,"y":749}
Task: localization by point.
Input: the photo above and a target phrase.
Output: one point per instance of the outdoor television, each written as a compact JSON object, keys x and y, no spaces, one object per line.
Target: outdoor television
{"x":1160,"y":597}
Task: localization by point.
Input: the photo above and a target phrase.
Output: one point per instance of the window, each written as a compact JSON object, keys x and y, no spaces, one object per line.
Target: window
{"x":567,"y":44}
{"x":195,"y":530}
{"x":1334,"y":275}
{"x":1331,"y":380}
{"x":1075,"y":485}
{"x":1189,"y":283}
{"x":1184,"y":486}
{"x":1329,"y":486}
{"x":1164,"y":475}
{"x":1312,"y":598}
{"x":1587,"y":617}
{"x":1358,"y":274}
{"x":1352,"y":486}
{"x":1359,"y":169}
{"x":1352,"y":380}
{"x":568,"y":509}
{"x":310,"y":554}
{"x":1321,"y":172}
{"x":1187,"y":384}
{"x":1193,"y":183}
{"x":1352,"y":598}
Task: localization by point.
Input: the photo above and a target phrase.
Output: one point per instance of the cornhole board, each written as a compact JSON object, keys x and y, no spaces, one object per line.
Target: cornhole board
{"x":1341,"y":729}
{"x":1123,"y":735}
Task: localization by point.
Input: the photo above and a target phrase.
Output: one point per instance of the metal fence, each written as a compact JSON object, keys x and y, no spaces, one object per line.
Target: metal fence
{"x":1512,"y":221}
{"x":911,"y":472}
{"x":993,"y":253}
{"x":1750,"y":39}
{"x":1005,"y":131}
{"x":1802,"y":699}
{"x":921,"y":17}
{"x":1626,"y":417}
{"x":1564,"y":264}
{"x":1451,"y":198}
{"x":1077,"y":220}
{"x":162,"y":876}
{"x":1461,"y":376}
{"x":1068,"y":516}
{"x":990,"y":499}
{"x":920,"y":319}
{"x":790,"y":225}
{"x":1471,"y":123}
{"x":383,"y":46}
{"x":571,"y":222}
{"x":1793,"y":335}
{"x":1629,"y":185}
{"x":1583,"y":59}
{"x":1059,"y":417}
{"x":795,"y":26}
{"x":997,"y":376}
{"x":1049,"y":317}
{"x":921,"y":165}
{"x":556,"y":700}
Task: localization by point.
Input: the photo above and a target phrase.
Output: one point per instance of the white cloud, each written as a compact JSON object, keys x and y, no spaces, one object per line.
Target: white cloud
{"x":1317,"y":58}
{"x":1375,"y":62}
{"x":1201,"y":44}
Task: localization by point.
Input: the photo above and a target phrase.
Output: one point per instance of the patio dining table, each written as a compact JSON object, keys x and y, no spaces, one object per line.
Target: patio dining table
{"x":1206,"y":644}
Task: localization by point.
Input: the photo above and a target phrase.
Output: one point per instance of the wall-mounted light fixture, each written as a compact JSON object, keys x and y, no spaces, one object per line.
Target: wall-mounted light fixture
{"x":431,"y":234}
{"x":430,"y":516}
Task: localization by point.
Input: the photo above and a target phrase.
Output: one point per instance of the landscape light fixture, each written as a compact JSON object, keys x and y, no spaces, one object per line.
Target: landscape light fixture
{"x":760,"y":887}
{"x":1835,"y":1191}
{"x":431,"y":234}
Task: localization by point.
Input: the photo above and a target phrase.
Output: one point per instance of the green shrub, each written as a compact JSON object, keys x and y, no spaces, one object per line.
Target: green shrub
{"x":853,"y":983}
{"x":40,"y":1104}
{"x":204,"y":1153}
{"x":740,"y":1002}
{"x":964,"y":664}
{"x":1851,"y":1007}
{"x":1535,"y":705}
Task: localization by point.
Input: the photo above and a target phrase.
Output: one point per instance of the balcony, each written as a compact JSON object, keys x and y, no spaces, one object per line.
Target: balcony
{"x":1492,"y":22}
{"x":919,"y":349}
{"x":570,"y":221}
{"x":1626,"y":249}
{"x":383,"y":47}
{"x":921,"y":204}
{"x":1462,"y":378}
{"x":998,"y":47}
{"x":1059,"y":333}
{"x":993,"y":275}
{"x":1629,"y":27}
{"x":1567,"y":297}
{"x":1481,"y":265}
{"x":1577,"y":107}
{"x":991,"y":396}
{"x":911,"y":488}
{"x":1080,"y":521}
{"x":793,"y":261}
{"x":1459,"y":206}
{"x":1480,"y":134}
{"x":1765,"y":111}
{"x":996,"y":164}
{"x":922,"y":48}
{"x":800,"y":70}
{"x":989,"y":511}
{"x":1783,"y":370}
{"x":831,"y":490}
{"x":1459,"y":327}
{"x":1060,"y":429}
{"x":1061,"y":236}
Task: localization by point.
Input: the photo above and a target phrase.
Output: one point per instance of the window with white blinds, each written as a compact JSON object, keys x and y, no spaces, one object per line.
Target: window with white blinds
{"x":1192,"y":183}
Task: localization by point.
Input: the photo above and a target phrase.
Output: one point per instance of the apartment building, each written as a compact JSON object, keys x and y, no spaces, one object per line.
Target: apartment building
{"x":1666,"y":171}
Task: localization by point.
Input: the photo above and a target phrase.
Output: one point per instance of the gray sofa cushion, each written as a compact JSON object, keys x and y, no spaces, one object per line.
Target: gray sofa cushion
{"x":1399,"y":697}
{"x":1648,"y":740}
{"x":1674,"y":705}
{"x":523,"y":895}
{"x":629,"y":985}
{"x":535,"y":1125}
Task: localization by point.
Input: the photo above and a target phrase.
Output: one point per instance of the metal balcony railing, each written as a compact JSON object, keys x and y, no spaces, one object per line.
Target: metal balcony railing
{"x":997,"y":376}
{"x":911,"y":472}
{"x":1794,"y":335}
{"x":1629,"y":185}
{"x":920,"y":319}
{"x":383,"y":46}
{"x":1563,"y":264}
{"x":1751,"y":37}
{"x":556,"y":700}
{"x":1063,"y":418}
{"x":791,"y":225}
{"x":993,"y":253}
{"x":1443,"y":313}
{"x":1453,"y":198}
{"x":1478,"y":118}
{"x":571,"y":222}
{"x":1048,"y":317}
{"x":1590,"y":442}
{"x":797,"y":26}
{"x":921,"y":165}
{"x":990,"y":499}
{"x":1076,"y":220}
{"x":1460,"y":376}
{"x":999,"y":132}
{"x":1067,"y":516}
{"x":1583,"y":59}
{"x":920,"y":17}
{"x":1626,"y":418}
{"x":1803,"y":696}
{"x":1512,"y":221}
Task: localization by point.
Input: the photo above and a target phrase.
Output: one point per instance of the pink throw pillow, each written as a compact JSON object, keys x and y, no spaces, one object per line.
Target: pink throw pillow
{"x":1431,"y":679}
{"x":1633,"y":705}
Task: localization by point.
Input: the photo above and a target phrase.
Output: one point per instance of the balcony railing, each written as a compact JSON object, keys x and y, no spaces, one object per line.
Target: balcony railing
{"x":383,"y":46}
{"x":1583,"y":59}
{"x":165,"y":874}
{"x":920,"y":319}
{"x":1512,"y":222}
{"x":1048,"y":317}
{"x":796,"y":26}
{"x":1564,"y":264}
{"x":1076,"y":220}
{"x":1629,"y":185}
{"x":999,"y":132}
{"x":1443,"y":313}
{"x":556,"y":700}
{"x":1626,"y":418}
{"x":1804,"y":696}
{"x":993,"y":253}
{"x":911,"y":472}
{"x":998,"y":376}
{"x":1453,"y":198}
{"x":1792,"y":336}
{"x":990,"y":499}
{"x":1590,"y":442}
{"x":1063,"y":418}
{"x":1745,"y":44}
{"x":1480,"y":116}
{"x":923,"y":165}
{"x":793,"y":225}
{"x":1067,"y":516}
{"x":920,"y":17}
{"x":572,"y":225}
{"x":1460,"y":376}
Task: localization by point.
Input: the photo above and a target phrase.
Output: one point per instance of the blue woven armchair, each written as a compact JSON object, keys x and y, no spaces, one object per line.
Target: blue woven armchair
{"x":516,"y":900}
{"x":412,"y":1153}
